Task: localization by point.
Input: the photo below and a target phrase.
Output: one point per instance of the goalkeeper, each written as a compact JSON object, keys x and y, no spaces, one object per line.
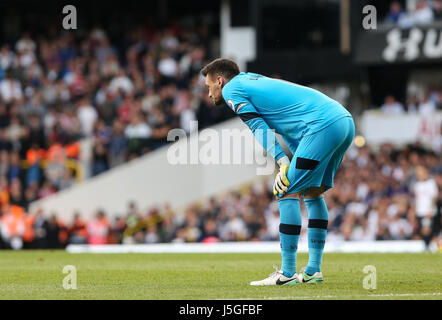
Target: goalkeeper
{"x":317,"y":130}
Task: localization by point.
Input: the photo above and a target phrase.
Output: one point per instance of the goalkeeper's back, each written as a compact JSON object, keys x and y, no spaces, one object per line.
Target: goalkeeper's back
{"x":291,"y":110}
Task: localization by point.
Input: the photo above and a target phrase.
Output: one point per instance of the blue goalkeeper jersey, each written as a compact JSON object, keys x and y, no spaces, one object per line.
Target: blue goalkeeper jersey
{"x":289,"y":109}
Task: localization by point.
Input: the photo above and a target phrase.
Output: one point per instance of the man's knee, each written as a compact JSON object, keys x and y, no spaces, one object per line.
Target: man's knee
{"x":296,"y":195}
{"x":314,"y":192}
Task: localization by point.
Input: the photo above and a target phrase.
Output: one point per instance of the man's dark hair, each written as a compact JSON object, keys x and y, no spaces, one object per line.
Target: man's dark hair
{"x":221,"y":67}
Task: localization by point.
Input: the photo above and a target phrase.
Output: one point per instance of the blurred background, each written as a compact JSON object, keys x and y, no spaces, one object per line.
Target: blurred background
{"x":85,"y":114}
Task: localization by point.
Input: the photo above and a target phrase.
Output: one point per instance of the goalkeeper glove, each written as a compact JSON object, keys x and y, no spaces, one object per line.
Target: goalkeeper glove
{"x":281,"y":181}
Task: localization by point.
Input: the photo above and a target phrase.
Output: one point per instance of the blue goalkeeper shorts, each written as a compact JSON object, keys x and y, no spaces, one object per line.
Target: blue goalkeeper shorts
{"x":317,"y":156}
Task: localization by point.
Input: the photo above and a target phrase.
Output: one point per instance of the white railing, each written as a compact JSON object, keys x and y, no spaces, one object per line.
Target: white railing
{"x":395,"y":246}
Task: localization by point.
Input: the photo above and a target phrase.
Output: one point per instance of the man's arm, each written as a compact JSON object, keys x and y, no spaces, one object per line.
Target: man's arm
{"x":267,"y":139}
{"x":262,"y":132}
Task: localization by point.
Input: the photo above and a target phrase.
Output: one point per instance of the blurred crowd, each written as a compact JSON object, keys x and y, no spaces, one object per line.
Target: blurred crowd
{"x":59,"y":88}
{"x":125,"y":96}
{"x":424,"y":12}
{"x":384,"y":194}
{"x":425,"y":103}
{"x":387,"y":194}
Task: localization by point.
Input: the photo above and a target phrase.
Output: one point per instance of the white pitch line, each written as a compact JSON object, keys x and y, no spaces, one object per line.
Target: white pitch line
{"x":341,"y":296}
{"x":405,"y":294}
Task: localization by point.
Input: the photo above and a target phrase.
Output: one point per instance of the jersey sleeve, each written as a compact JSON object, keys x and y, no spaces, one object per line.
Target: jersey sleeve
{"x":237,"y":100}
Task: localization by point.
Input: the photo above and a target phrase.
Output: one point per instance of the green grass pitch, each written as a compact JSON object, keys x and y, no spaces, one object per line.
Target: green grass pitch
{"x":39,"y":275}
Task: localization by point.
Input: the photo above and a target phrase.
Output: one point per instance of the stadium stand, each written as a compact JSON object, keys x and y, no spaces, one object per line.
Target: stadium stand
{"x":379,"y":195}
{"x":55,"y":91}
{"x":58,"y":89}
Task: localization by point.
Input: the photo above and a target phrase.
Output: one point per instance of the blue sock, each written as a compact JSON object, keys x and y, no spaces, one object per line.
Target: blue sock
{"x":316,"y":232}
{"x":289,"y":230}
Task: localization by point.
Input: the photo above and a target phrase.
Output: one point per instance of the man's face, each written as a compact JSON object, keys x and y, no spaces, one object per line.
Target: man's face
{"x":215,"y":86}
{"x":395,"y":7}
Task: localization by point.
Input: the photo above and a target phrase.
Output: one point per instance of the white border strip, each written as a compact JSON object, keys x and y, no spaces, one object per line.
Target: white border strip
{"x":250,"y":247}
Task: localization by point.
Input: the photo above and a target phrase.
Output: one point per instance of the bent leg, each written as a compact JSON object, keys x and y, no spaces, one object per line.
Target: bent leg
{"x":317,"y":227}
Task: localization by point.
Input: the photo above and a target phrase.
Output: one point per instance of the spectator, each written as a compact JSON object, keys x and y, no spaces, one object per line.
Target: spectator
{"x":187,"y":114}
{"x":395,"y":14}
{"x":426,"y":193}
{"x":118,"y":145}
{"x":412,"y":104}
{"x":40,"y":230}
{"x":77,"y":231}
{"x":25,"y":43}
{"x":56,"y":168}
{"x":100,"y":158}
{"x":427,"y":107}
{"x":423,"y":13}
{"x":16,"y":194}
{"x":46,"y":190}
{"x":98,"y":229}
{"x":272,"y":222}
{"x":391,"y":107}
{"x":152,"y":235}
{"x":68,"y":180}
{"x":10,"y":89}
{"x":12,"y":227}
{"x":53,"y":231}
{"x":87,"y":116}
{"x":167,"y":66}
{"x":137,"y":132}
{"x":121,"y":83}
{"x":437,"y":7}
{"x":7,"y":57}
{"x":209,"y":233}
